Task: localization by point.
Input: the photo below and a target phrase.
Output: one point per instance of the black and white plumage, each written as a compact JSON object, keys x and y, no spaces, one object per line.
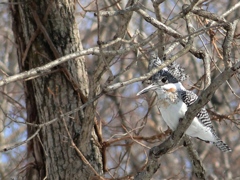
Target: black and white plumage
{"x":173,"y":101}
{"x":173,"y":72}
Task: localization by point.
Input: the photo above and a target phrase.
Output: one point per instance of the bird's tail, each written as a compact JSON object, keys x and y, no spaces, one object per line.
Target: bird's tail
{"x":222,"y":146}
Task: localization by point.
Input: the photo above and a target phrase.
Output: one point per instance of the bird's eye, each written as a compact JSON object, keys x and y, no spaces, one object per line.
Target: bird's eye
{"x":164,"y":80}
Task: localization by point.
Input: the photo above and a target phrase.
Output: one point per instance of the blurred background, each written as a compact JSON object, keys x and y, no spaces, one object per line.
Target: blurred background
{"x":131,"y":125}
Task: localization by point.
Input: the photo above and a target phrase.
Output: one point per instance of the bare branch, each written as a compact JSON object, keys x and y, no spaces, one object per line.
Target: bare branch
{"x":148,"y":75}
{"x":20,"y":143}
{"x":157,"y":24}
{"x":42,"y":70}
{"x":161,"y":35}
{"x":198,"y":168}
{"x":227,"y":45}
{"x":116,"y":13}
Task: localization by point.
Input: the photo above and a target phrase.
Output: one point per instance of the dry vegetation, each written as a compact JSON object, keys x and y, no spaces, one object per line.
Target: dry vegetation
{"x":129,"y":126}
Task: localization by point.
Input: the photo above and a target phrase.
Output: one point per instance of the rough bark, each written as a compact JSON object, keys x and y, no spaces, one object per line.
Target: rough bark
{"x":46,"y":30}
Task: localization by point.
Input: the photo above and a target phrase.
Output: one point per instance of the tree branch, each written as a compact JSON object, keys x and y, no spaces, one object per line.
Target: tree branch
{"x":198,"y":168}
{"x":192,"y":111}
{"x":42,"y":70}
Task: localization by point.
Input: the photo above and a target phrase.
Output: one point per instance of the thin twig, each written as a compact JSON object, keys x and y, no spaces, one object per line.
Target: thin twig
{"x":78,"y":151}
{"x":21,"y":143}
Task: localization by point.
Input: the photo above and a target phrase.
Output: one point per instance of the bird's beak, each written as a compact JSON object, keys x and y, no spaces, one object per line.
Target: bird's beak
{"x":148,"y":88}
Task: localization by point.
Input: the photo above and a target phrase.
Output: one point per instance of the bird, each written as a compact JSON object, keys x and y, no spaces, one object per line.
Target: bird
{"x":173,"y":100}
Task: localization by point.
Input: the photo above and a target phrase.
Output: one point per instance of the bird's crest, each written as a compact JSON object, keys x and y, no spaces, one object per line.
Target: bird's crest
{"x":173,"y":73}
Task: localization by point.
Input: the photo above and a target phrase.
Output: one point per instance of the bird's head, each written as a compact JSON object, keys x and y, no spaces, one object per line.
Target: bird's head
{"x":170,"y":74}
{"x":167,"y":79}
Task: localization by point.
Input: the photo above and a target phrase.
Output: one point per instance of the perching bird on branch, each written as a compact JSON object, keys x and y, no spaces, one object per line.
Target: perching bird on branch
{"x":173,"y":101}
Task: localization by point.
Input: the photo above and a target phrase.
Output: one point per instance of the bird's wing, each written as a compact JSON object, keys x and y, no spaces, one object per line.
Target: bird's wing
{"x":189,"y":97}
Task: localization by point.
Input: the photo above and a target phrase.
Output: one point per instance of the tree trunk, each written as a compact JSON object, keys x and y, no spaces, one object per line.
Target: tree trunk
{"x":46,"y":30}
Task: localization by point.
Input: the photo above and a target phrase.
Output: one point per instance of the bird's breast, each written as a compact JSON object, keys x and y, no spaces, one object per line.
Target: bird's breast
{"x":166,"y":99}
{"x":172,"y":112}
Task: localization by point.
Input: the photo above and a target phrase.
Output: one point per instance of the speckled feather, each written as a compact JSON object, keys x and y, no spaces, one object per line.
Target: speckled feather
{"x":189,"y":97}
